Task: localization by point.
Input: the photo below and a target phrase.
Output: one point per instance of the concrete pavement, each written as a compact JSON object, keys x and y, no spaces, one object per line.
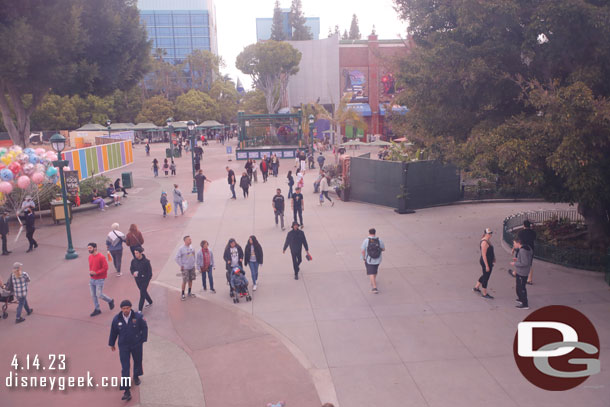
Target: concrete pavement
{"x":425,"y":340}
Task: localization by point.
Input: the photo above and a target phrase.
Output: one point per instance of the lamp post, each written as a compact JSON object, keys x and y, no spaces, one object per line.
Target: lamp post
{"x":311,"y":120}
{"x":170,"y":128}
{"x":59,"y":142}
{"x":108,"y":123}
{"x":190,"y":125}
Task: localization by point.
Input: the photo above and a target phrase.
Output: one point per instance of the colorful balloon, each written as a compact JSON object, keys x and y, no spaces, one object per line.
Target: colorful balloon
{"x":51,"y":172}
{"x":23,"y":182}
{"x":6,"y":175}
{"x":40,"y":151}
{"x":28,"y":169}
{"x":6,"y":187}
{"x":34,"y":159}
{"x":29,"y":151}
{"x":15,"y":167}
{"x":38,"y":177}
{"x":6,"y":159}
{"x":23,"y":158}
{"x":3,"y":151}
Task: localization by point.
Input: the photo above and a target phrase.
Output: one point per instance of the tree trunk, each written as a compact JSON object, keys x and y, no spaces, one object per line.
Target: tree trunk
{"x":15,"y":115}
{"x":598,"y":225}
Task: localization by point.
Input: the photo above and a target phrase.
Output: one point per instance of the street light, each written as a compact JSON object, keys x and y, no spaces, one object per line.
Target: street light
{"x":170,"y":128}
{"x":59,"y":143}
{"x":311,"y":121}
{"x":190,"y":125}
{"x":108,"y":123}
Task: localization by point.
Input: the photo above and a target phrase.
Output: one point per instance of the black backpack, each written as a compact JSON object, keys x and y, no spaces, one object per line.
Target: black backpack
{"x":373,"y":250}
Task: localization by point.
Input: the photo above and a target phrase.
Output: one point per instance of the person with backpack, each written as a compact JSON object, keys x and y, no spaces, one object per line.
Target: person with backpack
{"x":114,"y":244}
{"x":371,"y":248}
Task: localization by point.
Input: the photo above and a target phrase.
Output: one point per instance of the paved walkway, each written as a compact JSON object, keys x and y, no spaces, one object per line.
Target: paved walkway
{"x":425,"y":340}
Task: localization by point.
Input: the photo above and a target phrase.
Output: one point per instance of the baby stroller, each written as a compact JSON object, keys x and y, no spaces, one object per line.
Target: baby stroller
{"x":239,"y":284}
{"x":6,"y":298}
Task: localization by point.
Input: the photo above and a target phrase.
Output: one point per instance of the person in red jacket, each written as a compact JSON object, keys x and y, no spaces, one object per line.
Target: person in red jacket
{"x":98,"y":270}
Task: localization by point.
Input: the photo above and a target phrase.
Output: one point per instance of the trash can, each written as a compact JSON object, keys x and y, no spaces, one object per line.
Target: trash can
{"x":168,"y":153}
{"x":127,"y":179}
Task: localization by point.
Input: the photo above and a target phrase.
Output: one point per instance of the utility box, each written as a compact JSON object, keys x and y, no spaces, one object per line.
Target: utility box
{"x":127,"y":179}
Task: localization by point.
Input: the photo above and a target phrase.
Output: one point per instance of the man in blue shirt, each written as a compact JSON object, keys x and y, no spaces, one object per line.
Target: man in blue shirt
{"x":371,"y":248}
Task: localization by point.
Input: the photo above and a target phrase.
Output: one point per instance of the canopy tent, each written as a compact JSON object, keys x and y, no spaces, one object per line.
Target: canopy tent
{"x":209,"y":124}
{"x":380,"y":143}
{"x":121,"y":126}
{"x":145,"y":127}
{"x":91,"y":127}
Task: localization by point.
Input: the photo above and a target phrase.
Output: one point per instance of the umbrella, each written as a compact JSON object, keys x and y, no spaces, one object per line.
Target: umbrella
{"x":400,"y":140}
{"x":352,"y":143}
{"x":380,"y":143}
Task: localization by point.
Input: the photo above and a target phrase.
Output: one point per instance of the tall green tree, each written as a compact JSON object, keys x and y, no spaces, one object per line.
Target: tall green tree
{"x":517,"y":89}
{"x":270,"y":65}
{"x":157,"y":110}
{"x":254,"y":102}
{"x":300,"y":32}
{"x":277,"y":28}
{"x":55,"y":113}
{"x":197,"y":106}
{"x":127,"y":105}
{"x":202,"y":66}
{"x":354,"y":29}
{"x":70,"y":46}
{"x":226,"y":97}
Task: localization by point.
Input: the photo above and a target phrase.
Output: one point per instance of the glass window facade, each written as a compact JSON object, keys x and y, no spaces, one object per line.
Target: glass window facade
{"x":179,"y":33}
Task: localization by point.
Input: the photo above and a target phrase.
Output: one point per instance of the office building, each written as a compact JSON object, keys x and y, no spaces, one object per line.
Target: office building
{"x":263,"y":26}
{"x":179,"y":27}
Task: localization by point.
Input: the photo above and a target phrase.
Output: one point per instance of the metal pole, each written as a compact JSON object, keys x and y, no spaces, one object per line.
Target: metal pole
{"x":171,"y":141}
{"x":192,"y":134}
{"x":71,"y":253}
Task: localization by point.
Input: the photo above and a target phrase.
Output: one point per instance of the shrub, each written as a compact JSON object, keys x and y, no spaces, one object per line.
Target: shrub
{"x":87,"y":186}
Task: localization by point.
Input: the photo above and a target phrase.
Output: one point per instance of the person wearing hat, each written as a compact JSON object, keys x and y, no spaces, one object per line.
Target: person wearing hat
{"x":4,"y":232}
{"x":28,"y":203}
{"x":131,"y":330}
{"x":487,"y":261}
{"x":18,"y":284}
{"x":296,"y":240}
{"x":142,"y":272}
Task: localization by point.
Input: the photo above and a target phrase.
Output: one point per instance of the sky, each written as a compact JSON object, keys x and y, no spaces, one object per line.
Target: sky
{"x":236,"y":20}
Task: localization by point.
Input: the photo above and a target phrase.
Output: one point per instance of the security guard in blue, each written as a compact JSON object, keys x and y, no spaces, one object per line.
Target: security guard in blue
{"x":131,"y":329}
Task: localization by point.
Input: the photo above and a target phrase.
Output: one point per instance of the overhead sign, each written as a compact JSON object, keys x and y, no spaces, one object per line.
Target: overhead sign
{"x":72,"y":184}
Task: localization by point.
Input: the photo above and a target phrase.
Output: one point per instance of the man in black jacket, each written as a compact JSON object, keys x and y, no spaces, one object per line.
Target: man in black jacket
{"x":132,"y":330}
{"x":30,"y":227}
{"x":4,"y":232}
{"x":142,"y":271}
{"x":233,"y":257}
{"x":296,"y":240}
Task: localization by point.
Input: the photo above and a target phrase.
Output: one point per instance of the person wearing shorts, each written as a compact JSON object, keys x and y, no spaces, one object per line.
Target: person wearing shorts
{"x":186,"y":260}
{"x":371,"y":264}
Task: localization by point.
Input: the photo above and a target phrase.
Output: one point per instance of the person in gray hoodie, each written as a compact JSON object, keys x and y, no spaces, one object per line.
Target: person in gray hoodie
{"x":522,"y":264}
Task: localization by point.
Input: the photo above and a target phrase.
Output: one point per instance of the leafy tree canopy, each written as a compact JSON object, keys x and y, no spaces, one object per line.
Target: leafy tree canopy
{"x":157,"y":110}
{"x":197,"y":106}
{"x":354,"y":29}
{"x":277,"y":28}
{"x":300,"y":32}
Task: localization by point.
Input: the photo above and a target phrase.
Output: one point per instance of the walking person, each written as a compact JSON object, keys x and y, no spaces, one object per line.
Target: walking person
{"x":30,"y":227}
{"x":264,"y":166}
{"x":275,"y":165}
{"x":487,"y":261}
{"x":278,"y":207}
{"x":324,"y":188}
{"x":231,"y":181}
{"x":371,"y":249}
{"x":178,"y":201}
{"x":199,"y":182}
{"x":522,"y":264}
{"x":114,"y":245}
{"x":186,"y":260}
{"x":163,"y":202}
{"x":527,"y":236}
{"x":18,"y":284}
{"x":165,"y":166}
{"x":98,"y":271}
{"x":233,"y":257}
{"x":254,"y":171}
{"x":134,"y":239}
{"x":147,"y":149}
{"x":290,"y":183}
{"x":254,"y":257}
{"x":248,"y":168}
{"x":298,"y":206}
{"x":321,"y":160}
{"x":131,"y":330}
{"x":141,"y":270}
{"x":155,"y":167}
{"x":172,"y":168}
{"x":244,"y":183}
{"x":205,"y":264}
{"x":4,"y":233}
{"x":296,"y":240}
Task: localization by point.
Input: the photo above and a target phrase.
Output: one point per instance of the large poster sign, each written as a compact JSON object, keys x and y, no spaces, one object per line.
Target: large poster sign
{"x":354,"y":81}
{"x":72,"y":184}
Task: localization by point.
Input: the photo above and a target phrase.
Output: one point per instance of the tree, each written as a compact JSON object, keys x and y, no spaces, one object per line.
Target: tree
{"x":300,"y":32}
{"x":156,"y":110}
{"x":341,"y":116}
{"x":277,"y":28}
{"x":270,"y":65}
{"x":197,"y":106}
{"x":345,"y":35}
{"x":127,"y":105}
{"x":202,"y":66}
{"x":226,"y":97}
{"x":55,"y":113}
{"x":254,"y":102}
{"x":490,"y":87}
{"x":70,"y":46}
{"x":354,"y":29}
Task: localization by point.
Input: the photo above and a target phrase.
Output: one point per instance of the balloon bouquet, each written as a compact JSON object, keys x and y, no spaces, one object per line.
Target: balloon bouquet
{"x":24,"y":168}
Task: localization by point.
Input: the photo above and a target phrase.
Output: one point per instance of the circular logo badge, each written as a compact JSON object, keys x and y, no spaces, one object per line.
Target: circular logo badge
{"x":556,"y":348}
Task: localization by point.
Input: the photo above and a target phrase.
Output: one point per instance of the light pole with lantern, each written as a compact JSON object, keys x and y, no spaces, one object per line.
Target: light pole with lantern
{"x":108,"y":123}
{"x":59,"y":143}
{"x":190,"y":125}
{"x":170,"y":128}
{"x":311,"y":121}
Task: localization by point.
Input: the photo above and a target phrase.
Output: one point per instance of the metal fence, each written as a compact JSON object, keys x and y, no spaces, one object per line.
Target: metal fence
{"x":576,"y":258}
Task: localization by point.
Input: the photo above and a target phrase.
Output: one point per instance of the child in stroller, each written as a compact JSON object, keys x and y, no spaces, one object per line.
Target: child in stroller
{"x":239,"y":284}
